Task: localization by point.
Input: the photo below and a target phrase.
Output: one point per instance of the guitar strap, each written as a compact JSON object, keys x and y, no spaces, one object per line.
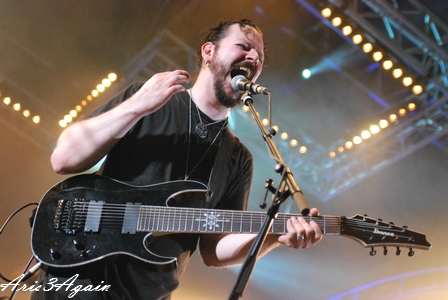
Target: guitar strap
{"x":222,"y":170}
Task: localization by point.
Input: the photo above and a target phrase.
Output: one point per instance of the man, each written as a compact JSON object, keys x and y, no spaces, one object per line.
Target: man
{"x":158,"y":131}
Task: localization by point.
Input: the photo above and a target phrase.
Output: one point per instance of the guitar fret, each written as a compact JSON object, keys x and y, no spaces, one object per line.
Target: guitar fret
{"x":179,"y":219}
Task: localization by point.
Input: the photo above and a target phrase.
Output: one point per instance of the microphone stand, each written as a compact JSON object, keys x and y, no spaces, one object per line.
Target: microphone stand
{"x":287,"y":187}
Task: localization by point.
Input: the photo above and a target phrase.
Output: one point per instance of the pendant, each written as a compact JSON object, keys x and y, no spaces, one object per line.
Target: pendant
{"x":201,"y":130}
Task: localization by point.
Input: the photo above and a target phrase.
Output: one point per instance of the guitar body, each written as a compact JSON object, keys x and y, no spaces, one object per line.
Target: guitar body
{"x":77,"y":222}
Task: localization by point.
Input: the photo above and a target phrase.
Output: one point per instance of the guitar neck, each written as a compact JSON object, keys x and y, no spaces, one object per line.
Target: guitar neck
{"x":193,"y":220}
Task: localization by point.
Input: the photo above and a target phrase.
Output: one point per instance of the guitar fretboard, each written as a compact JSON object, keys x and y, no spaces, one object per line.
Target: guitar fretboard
{"x":193,"y":220}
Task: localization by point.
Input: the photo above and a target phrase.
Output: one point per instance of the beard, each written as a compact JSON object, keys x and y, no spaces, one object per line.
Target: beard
{"x":219,"y":73}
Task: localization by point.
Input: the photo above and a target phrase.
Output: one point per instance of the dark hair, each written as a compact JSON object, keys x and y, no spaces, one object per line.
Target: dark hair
{"x":218,"y":32}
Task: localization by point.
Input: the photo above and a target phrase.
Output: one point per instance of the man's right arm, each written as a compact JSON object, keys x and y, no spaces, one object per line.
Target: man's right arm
{"x":85,"y":143}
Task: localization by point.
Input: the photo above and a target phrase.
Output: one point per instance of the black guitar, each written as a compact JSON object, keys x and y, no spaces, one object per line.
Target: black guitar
{"x":87,"y":218}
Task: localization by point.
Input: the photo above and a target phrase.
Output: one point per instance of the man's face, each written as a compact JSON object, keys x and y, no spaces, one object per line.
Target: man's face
{"x":239,"y":53}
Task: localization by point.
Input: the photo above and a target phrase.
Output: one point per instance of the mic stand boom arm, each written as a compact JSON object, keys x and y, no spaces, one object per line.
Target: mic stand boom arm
{"x":281,"y":193}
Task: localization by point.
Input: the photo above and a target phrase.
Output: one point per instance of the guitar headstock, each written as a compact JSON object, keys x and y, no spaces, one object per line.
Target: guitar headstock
{"x":376,"y":233}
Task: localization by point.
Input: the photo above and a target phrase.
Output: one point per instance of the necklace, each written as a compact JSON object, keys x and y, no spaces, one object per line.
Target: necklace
{"x":188,"y":174}
{"x":201,"y":128}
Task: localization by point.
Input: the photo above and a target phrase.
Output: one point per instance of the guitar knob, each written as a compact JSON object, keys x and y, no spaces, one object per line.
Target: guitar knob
{"x":398,"y":251}
{"x":385,"y":251}
{"x":78,"y":245}
{"x":411,"y":252}
{"x":372,"y":252}
{"x":54,"y":254}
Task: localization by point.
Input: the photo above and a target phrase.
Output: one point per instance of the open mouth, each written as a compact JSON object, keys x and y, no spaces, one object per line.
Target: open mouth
{"x":245,"y":71}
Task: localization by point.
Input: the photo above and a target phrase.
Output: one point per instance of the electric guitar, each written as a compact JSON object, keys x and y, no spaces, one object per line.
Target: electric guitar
{"x":87,"y":218}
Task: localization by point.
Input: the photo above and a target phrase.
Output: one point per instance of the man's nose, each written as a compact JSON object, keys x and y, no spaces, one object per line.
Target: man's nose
{"x":253,"y":56}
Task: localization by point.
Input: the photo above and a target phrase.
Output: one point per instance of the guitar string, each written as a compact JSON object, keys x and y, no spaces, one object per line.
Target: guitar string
{"x":117,"y":211}
{"x":244,"y":221}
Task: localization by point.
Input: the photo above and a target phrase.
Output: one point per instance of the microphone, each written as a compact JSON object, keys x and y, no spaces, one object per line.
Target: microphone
{"x":241,"y":83}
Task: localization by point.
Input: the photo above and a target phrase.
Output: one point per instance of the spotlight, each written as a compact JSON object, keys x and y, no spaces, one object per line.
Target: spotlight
{"x":336,"y":22}
{"x":326,"y":12}
{"x":397,"y":73}
{"x":306,"y":73}
{"x":367,"y":47}
{"x":407,"y":81}
{"x":357,"y":39}
{"x":417,"y":89}
{"x":387,"y":64}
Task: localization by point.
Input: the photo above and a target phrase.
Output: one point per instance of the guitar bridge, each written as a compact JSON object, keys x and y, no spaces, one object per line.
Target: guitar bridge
{"x":67,"y":218}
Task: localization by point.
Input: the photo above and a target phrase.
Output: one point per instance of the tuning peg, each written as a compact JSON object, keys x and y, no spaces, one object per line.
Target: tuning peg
{"x":385,"y":251}
{"x":398,"y":251}
{"x":411,"y":252}
{"x":372,"y":252}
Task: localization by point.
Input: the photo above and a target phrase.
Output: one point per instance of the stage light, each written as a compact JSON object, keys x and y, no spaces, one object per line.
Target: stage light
{"x":63,"y":123}
{"x":332,"y":154}
{"x":412,"y":106}
{"x":68,"y":118}
{"x":78,"y":108}
{"x":387,"y":64}
{"x":407,"y":81}
{"x":73,"y":113}
{"x":347,"y":30}
{"x":402,"y":112}
{"x":357,"y":140}
{"x":326,"y":12}
{"x":367,"y":47}
{"x":245,"y":108}
{"x":417,"y":89}
{"x":7,"y":100}
{"x":383,"y":123}
{"x":306,"y":73}
{"x":265,"y":122}
{"x":303,"y":150}
{"x":112,"y":77}
{"x":26,"y":113}
{"x":357,"y":39}
{"x":336,"y":21}
{"x":341,"y":149}
{"x":393,"y":118}
{"x":293,"y":143}
{"x":377,"y":56}
{"x":284,"y":136}
{"x":36,"y":119}
{"x":16,"y":106}
{"x":374,"y":129}
{"x":397,"y":73}
{"x":348,"y":145}
{"x":365,"y":134}
{"x":100,"y":88}
{"x":94,"y":93}
{"x":106,"y":82}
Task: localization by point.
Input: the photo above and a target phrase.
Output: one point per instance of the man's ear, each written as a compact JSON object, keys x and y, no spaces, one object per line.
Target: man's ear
{"x":207,"y":51}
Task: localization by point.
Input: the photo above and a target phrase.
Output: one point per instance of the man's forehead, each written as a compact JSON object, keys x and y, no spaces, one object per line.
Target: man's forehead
{"x":247,"y":31}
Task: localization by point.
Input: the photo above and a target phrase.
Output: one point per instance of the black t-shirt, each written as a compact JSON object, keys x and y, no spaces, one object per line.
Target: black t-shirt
{"x":161,"y":147}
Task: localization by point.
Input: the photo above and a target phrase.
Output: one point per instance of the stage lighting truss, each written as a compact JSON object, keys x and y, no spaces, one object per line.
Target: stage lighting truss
{"x":409,"y":42}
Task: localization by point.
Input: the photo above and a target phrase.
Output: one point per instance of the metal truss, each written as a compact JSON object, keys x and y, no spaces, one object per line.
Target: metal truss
{"x":166,"y":52}
{"x":419,"y":39}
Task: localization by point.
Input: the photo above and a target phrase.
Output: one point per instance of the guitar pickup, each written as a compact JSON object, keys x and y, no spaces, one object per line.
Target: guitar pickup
{"x":93,"y":217}
{"x":130,"y":218}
